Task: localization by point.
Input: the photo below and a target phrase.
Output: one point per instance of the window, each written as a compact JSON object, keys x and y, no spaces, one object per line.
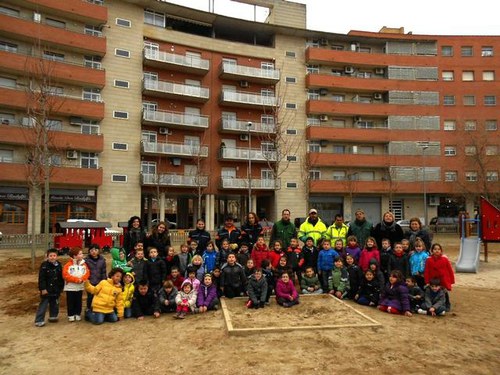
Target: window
{"x":291,"y":185}
{"x":6,"y":156}
{"x":470,"y":150}
{"x":119,"y":146}
{"x":450,"y":176}
{"x":9,"y":11}
{"x":338,"y":149}
{"x":337,"y":47}
{"x":449,"y":125}
{"x":291,"y":106}
{"x":450,"y":151}
{"x":267,"y":122}
{"x":92,"y":61}
{"x":55,"y":125}
{"x":122,"y":84}
{"x":123,"y":22}
{"x":467,"y":76}
{"x":471,"y":176}
{"x":55,"y":23}
{"x":122,"y":53}
{"x":469,"y":100}
{"x":7,"y":118}
{"x":470,"y":125}
{"x":92,"y":94}
{"x":447,"y":51}
{"x":93,"y":30}
{"x":314,"y":146}
{"x":466,"y":51}
{"x":8,"y":82}
{"x":148,"y":167}
{"x":89,"y":160}
{"x":312,"y":94}
{"x":290,"y":54}
{"x":489,"y":75}
{"x":491,"y":176}
{"x":338,"y":175}
{"x":149,"y":136}
{"x":120,"y":115}
{"x":312,"y":69}
{"x":9,"y":47}
{"x":90,"y":127}
{"x":55,"y":160}
{"x":154,"y":18}
{"x":313,"y":120}
{"x":491,"y":150}
{"x":490,"y":100}
{"x":53,"y":56}
{"x":149,"y":106}
{"x":118,"y":178}
{"x":491,"y":125}
{"x":291,"y":158}
{"x":12,"y":214}
{"x":314,"y":174}
{"x":291,"y":131}
{"x":449,"y":100}
{"x":486,"y":51}
{"x":290,"y":80}
{"x":447,"y":75}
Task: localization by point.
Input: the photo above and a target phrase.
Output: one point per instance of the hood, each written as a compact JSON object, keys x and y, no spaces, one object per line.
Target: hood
{"x":373,"y":261}
{"x":115,"y":253}
{"x":131,"y":274}
{"x":187,"y":281}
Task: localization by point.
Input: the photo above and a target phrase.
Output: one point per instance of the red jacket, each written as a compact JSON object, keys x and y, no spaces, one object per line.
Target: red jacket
{"x":259,"y":254}
{"x":274,"y":258}
{"x":364,"y":258}
{"x":439,"y":267}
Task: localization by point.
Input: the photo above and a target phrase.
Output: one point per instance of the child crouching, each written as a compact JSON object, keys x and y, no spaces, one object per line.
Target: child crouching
{"x":286,"y":294}
{"x":434,"y":299}
{"x":185,"y":299}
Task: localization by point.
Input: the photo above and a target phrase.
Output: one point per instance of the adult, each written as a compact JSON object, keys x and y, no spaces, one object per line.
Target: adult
{"x":338,"y":230}
{"x":229,"y":232}
{"x":415,"y":231}
{"x":387,"y":228}
{"x":159,"y":237}
{"x":283,"y":230}
{"x":360,"y":227}
{"x":312,"y":227}
{"x":250,"y":230}
{"x":200,"y":235}
{"x":135,"y":233}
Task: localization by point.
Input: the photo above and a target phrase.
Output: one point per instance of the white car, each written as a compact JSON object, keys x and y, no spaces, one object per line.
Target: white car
{"x":404,"y":224}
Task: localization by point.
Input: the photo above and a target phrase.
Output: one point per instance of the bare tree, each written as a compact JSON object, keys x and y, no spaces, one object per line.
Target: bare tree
{"x":201,"y":173}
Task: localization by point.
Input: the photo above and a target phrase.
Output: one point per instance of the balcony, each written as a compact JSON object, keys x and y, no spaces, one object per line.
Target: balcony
{"x":180,"y":63}
{"x":17,"y":173}
{"x":27,"y":30}
{"x":380,"y":160}
{"x":58,"y":140}
{"x":247,"y":100}
{"x":380,"y":187}
{"x":175,"y":180}
{"x":241,"y":154}
{"x":61,"y":105}
{"x":174,"y":149}
{"x":176,"y":120}
{"x":241,"y":126}
{"x":249,"y":74}
{"x":173,"y":90}
{"x":242,"y":183}
{"x":22,"y":61}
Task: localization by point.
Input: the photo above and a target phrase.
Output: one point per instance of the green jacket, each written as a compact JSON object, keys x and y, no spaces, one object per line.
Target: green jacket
{"x":283,"y":231}
{"x":339,"y":281}
{"x":316,"y":231}
{"x":117,"y":262}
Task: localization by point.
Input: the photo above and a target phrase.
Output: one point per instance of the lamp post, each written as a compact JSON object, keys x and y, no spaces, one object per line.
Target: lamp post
{"x":249,"y":125}
{"x":425,"y":146}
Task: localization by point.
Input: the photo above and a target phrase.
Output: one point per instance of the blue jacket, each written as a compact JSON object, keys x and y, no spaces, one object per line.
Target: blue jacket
{"x":326,"y":259}
{"x":417,"y":262}
{"x":210,"y":260}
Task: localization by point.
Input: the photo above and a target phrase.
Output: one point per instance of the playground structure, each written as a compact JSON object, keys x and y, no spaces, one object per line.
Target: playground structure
{"x":82,"y":234}
{"x":488,"y":230}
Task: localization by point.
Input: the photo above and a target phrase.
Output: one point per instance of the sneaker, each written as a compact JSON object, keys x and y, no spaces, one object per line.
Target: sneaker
{"x":443,"y":313}
{"x":39,"y":324}
{"x":216,"y":307}
{"x":249,"y":304}
{"x":389,"y":309}
{"x":78,"y":318}
{"x":71,"y":318}
{"x":182,"y":315}
{"x":286,"y":304}
{"x":176,"y":316}
{"x":422,"y":312}
{"x":53,"y":320}
{"x":196,"y":310}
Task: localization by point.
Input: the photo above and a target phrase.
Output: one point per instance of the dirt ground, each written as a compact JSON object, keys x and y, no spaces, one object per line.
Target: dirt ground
{"x":466,"y":341}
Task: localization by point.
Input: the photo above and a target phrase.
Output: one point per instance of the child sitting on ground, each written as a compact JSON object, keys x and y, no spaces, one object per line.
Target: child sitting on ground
{"x":369,"y":290}
{"x":282,"y":268}
{"x":286,"y":294}
{"x":415,"y":294}
{"x":207,"y":298}
{"x":166,"y":297}
{"x":128,"y":293}
{"x":338,"y":284}
{"x":310,"y":282}
{"x":75,"y":273}
{"x":434,"y":300}
{"x":144,"y":302}
{"x":256,"y":290}
{"x":394,"y":296}
{"x":185,"y":300}
{"x":107,"y":304}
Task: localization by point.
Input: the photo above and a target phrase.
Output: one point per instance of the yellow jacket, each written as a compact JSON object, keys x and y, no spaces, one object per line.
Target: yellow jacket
{"x":107,"y":297}
{"x":128,"y":295}
{"x":333,"y":233}
{"x":316,"y":232}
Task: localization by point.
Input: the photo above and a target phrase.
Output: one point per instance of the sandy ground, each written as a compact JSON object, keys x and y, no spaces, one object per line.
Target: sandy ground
{"x":464,"y":342}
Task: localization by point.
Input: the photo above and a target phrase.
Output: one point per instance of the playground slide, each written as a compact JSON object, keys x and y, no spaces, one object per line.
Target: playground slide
{"x":468,"y":259}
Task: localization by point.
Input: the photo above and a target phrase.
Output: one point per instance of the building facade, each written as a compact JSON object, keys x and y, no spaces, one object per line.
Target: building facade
{"x":170,"y":112}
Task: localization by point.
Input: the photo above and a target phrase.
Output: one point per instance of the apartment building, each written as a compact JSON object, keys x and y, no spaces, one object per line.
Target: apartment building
{"x":167,"y":111}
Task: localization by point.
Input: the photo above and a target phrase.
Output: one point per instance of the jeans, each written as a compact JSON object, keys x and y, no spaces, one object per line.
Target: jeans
{"x":127,"y":312}
{"x":99,"y":318}
{"x":46,"y":301}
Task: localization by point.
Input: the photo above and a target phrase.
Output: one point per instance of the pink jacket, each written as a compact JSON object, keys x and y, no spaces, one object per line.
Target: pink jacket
{"x":285,"y":290}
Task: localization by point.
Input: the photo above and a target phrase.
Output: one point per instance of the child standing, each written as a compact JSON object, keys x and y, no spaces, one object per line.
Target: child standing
{"x":394,"y":296}
{"x":207,"y":298}
{"x":138,"y":264}
{"x":191,"y":273}
{"x":352,"y":248}
{"x":355,"y":276}
{"x":249,"y":268}
{"x":417,"y":262}
{"x":197,"y":264}
{"x":224,"y":251}
{"x":128,"y":293}
{"x":295,"y":259}
{"x":310,"y":283}
{"x":276,"y":254}
{"x":286,"y":294}
{"x":370,"y":251}
{"x":155,"y":270}
{"x":385,"y":257}
{"x":210,"y":257}
{"x":232,"y":280}
{"x":434,"y":300}
{"x":369,"y":290}
{"x":257,"y":290}
{"x":119,"y":259}
{"x":169,"y":259}
{"x":379,"y":276}
{"x":260,"y":252}
{"x":182,"y":259}
{"x":338,"y":284}
{"x":398,"y":260}
{"x":50,"y":285}
{"x":326,"y":260}
{"x":97,"y":267}
{"x":185,"y":299}
{"x":438,"y":266}
{"x":310,"y":254}
{"x":75,"y":273}
{"x":243,"y":254}
{"x":267,"y":272}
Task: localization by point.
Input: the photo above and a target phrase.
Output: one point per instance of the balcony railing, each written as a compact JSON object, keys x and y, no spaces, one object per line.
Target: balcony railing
{"x":250,"y":73}
{"x":177,"y":89}
{"x":243,"y":154}
{"x":168,"y":179}
{"x":242,"y":126}
{"x":245,"y":98}
{"x":171,"y":58}
{"x":242,"y":183}
{"x":175,"y":118}
{"x":174,"y":149}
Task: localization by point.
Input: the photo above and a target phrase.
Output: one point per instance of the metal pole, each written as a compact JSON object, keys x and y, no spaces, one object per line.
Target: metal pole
{"x":249,"y":168}
{"x":424,"y":147}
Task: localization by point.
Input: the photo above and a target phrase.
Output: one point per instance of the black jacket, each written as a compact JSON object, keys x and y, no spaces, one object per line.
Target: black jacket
{"x":257,"y":289}
{"x":202,"y":237}
{"x":50,"y":278}
{"x":156,"y":272}
{"x":143,"y":305}
{"x":232,"y":275}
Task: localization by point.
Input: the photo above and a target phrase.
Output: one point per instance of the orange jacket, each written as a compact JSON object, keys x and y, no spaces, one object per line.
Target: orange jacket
{"x":74,"y":274}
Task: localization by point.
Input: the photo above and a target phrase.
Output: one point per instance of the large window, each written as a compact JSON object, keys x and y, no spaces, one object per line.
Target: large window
{"x":314,"y":146}
{"x":154,"y":18}
{"x":486,"y":51}
{"x":469,"y":100}
{"x":92,"y":94}
{"x":470,"y":125}
{"x":314,"y":174}
{"x":12,"y":214}
{"x":490,"y":100}
{"x":489,"y":75}
{"x":6,"y":156}
{"x":447,"y":75}
{"x":471,"y":176}
{"x":491,"y":125}
{"x":491,"y":176}
{"x":89,"y":160}
{"x":90,"y":127}
{"x":468,"y":75}
{"x":92,"y":61}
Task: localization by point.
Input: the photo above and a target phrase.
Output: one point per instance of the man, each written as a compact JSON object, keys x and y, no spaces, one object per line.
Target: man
{"x":283,"y":230}
{"x":312,"y":227}
{"x":230,"y":232}
{"x":338,"y":230}
{"x":361,"y":228}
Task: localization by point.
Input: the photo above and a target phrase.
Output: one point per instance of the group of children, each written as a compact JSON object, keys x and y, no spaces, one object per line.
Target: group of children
{"x":398,"y":279}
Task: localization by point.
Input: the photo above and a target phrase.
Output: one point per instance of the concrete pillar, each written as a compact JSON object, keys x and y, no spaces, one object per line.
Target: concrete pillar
{"x":161,"y":215}
{"x":209,"y":211}
{"x":347,"y":209}
{"x":37,"y":196}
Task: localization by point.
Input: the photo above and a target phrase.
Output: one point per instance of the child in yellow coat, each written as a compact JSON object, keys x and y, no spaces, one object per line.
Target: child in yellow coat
{"x":108,"y":297}
{"x":128,"y":294}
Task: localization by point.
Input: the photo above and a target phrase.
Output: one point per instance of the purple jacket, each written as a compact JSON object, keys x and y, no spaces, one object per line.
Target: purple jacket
{"x":396,"y":297}
{"x":206,"y":295}
{"x":97,"y":268}
{"x":285,"y":290}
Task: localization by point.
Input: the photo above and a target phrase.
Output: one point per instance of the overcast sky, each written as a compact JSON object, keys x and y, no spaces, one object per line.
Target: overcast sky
{"x":440,"y":17}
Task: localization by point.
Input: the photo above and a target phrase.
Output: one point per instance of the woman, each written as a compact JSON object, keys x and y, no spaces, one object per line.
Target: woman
{"x":416,"y":231}
{"x":250,"y":230}
{"x":135,"y":234}
{"x":387,"y":228}
{"x":200,"y":235}
{"x":159,"y":238}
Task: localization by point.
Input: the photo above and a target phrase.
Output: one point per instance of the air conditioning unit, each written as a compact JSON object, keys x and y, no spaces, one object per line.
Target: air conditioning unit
{"x":323,"y":118}
{"x":176,"y":161}
{"x":75,"y":120}
{"x":244,"y":137}
{"x":379,"y":71}
{"x":323,"y":42}
{"x":37,"y":17}
{"x":72,"y":154}
{"x":434,"y":200}
{"x":165,"y":131}
{"x":323,"y":143}
{"x":377,"y":96}
{"x":349,"y":69}
{"x":244,"y":84}
{"x":323,"y":92}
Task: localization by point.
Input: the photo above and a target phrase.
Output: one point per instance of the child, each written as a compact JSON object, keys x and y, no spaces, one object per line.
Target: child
{"x":257,"y":290}
{"x":182,"y":259}
{"x":207,"y":298}
{"x":50,"y":285}
{"x":155,"y":271}
{"x":232,"y":280}
{"x":169,"y":259}
{"x":75,"y":273}
{"x":326,"y":259}
{"x":295,"y":259}
{"x":193,"y":247}
{"x":310,"y":254}
{"x":415,"y":294}
{"x":434,"y":299}
{"x":267,"y":272}
{"x":166,"y":297}
{"x":352,"y":248}
{"x":438,"y":266}
{"x":176,"y":277}
{"x":276,"y":254}
{"x":128,"y":293}
{"x":249,"y":268}
{"x":369,"y":290}
{"x":394,"y":296}
{"x":379,"y":276}
{"x":144,"y":302}
{"x":338,"y":283}
{"x":417,"y":262}
{"x":406,"y":246}
{"x":310,"y":282}
{"x":191,"y":275}
{"x":119,"y":260}
{"x":185,"y":300}
{"x":339,"y":247}
{"x":370,"y":251}
{"x":385,"y":256}
{"x":355,"y":276}
{"x":216,"y":280}
{"x":398,"y":260}
{"x":224,"y":251}
{"x":243,"y":254}
{"x":107,"y":304}
{"x":210,"y":257}
{"x":97,"y":267}
{"x":282,"y":267}
{"x":197,"y":264}
{"x":138,"y":264}
{"x":286,"y":294}
{"x":260,"y":252}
